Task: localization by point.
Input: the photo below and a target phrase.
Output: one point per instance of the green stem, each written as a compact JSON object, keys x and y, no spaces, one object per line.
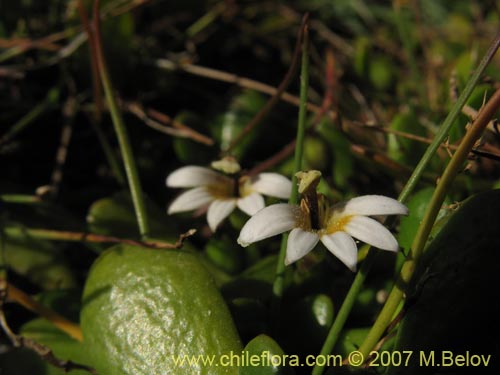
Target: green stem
{"x":121,"y":132}
{"x":454,"y":166}
{"x":113,"y":161}
{"x":206,"y":20}
{"x":20,"y":198}
{"x":357,"y":284}
{"x":304,"y":85}
{"x":345,"y":309}
{"x":404,"y":26}
{"x":49,"y":102}
{"x":448,"y":122}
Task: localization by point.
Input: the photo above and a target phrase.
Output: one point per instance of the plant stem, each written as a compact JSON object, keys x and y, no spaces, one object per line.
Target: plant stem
{"x":450,"y":119}
{"x":357,"y":284}
{"x":425,"y":227}
{"x":48,"y":102}
{"x":57,"y":235}
{"x":121,"y":132}
{"x":17,"y":295}
{"x":304,"y":85}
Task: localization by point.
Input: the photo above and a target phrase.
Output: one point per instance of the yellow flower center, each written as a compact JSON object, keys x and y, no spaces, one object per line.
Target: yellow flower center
{"x":245,"y":187}
{"x":337,"y":224}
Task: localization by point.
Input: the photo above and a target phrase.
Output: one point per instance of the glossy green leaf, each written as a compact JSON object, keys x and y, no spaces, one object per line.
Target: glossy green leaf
{"x":452,"y":305}
{"x":417,"y":205}
{"x":145,"y":309}
{"x":40,"y":261}
{"x":114,"y":216}
{"x":187,"y":150}
{"x":62,"y":346}
{"x":226,"y":254}
{"x":241,"y":110}
{"x":404,"y":150}
{"x":268,"y":355}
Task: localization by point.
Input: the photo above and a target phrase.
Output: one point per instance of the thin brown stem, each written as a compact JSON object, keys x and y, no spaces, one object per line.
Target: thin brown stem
{"x":56,"y":235}
{"x":43,"y":351}
{"x":96,"y":80}
{"x":281,"y":89}
{"x":16,"y":295}
{"x":157,"y":120}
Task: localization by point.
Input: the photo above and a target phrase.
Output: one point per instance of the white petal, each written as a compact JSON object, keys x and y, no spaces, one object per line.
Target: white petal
{"x":300,"y":242}
{"x":372,"y":232}
{"x":343,"y":247}
{"x":251,"y":204}
{"x":191,"y":176}
{"x":272,"y":184}
{"x":190,"y":200}
{"x":218,"y":211}
{"x":371,"y":205}
{"x":268,"y":222}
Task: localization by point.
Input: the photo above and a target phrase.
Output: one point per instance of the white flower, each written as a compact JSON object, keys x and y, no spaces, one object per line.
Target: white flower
{"x":223,"y":193}
{"x":336,"y":226}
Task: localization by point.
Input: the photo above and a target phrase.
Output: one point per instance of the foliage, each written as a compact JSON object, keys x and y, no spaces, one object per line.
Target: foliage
{"x":188,"y":77}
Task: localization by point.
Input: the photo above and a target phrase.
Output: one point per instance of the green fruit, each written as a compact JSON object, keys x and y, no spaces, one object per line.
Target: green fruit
{"x":452,"y":304}
{"x":145,"y":311}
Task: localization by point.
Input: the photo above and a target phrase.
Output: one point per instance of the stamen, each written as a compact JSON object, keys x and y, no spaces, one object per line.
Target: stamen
{"x":308,"y":181}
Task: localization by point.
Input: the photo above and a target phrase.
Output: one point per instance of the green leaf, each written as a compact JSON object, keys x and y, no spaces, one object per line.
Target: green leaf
{"x":226,"y":255}
{"x":340,"y":146}
{"x":40,"y":261}
{"x":452,"y":304}
{"x":187,"y":150}
{"x":417,"y":206}
{"x":264,"y":349}
{"x":405,"y":150}
{"x":62,"y":346}
{"x":115,"y":216}
{"x":144,"y":309}
{"x":241,"y":110}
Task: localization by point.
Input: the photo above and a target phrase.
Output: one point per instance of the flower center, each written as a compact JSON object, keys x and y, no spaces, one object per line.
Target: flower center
{"x":308,"y":181}
{"x":243,"y":187}
{"x":337,"y":224}
{"x":222,"y":189}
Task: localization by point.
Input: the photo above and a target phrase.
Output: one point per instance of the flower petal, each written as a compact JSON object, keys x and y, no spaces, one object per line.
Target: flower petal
{"x":273,"y":185}
{"x":191,"y":176}
{"x":251,"y":204}
{"x":300,"y":242}
{"x":343,"y":247}
{"x":190,"y":200}
{"x":372,"y":232}
{"x":368,"y":205}
{"x":218,"y":211}
{"x":268,"y":222}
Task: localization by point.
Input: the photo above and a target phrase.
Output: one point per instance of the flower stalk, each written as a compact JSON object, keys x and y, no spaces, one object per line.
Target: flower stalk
{"x":454,"y":166}
{"x":278,"y":284}
{"x":121,"y":131}
{"x":358,"y":282}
